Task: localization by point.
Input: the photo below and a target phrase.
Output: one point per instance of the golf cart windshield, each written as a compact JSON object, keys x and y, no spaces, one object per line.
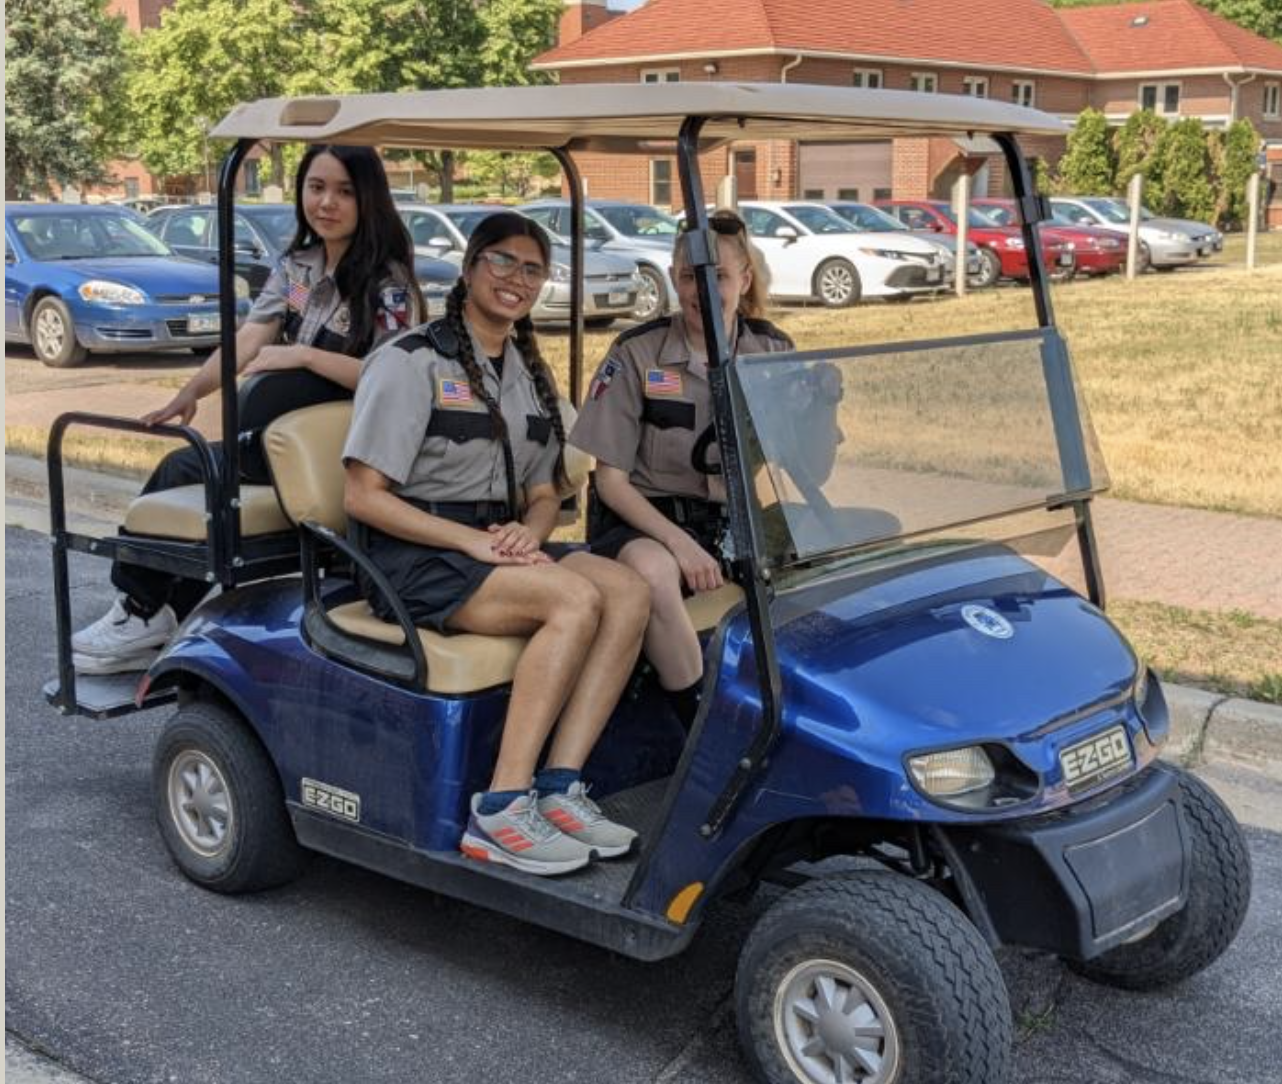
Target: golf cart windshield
{"x":870,"y":445}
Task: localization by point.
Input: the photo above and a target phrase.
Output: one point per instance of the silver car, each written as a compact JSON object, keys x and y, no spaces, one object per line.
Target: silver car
{"x":636,"y":230}
{"x":1165,"y":243}
{"x":611,"y":283}
{"x":866,"y":217}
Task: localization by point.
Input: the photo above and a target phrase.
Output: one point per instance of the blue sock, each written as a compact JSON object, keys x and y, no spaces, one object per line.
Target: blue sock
{"x":495,"y":801}
{"x":555,"y":780}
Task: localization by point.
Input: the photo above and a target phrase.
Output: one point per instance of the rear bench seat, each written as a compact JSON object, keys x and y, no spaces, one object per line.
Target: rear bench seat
{"x":180,"y":513}
{"x":304,"y":449}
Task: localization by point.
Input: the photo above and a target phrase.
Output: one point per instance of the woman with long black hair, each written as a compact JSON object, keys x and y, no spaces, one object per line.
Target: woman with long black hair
{"x":454,"y":456}
{"x":344,"y":285}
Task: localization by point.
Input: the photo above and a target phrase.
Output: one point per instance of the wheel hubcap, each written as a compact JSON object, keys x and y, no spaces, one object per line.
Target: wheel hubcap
{"x":647,"y":299}
{"x":833,"y":1027}
{"x":200,"y":803}
{"x":50,"y":332}
{"x":836,"y":285}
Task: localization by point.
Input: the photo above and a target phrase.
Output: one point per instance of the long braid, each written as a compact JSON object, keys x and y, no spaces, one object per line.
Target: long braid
{"x":527,"y":343}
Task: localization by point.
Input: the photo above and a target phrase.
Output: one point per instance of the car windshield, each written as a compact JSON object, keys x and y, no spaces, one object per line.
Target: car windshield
{"x":467,"y":220}
{"x":279,"y":224}
{"x":86,"y":236}
{"x":863,"y":217}
{"x":819,"y":219}
{"x":871,"y":445}
{"x":973,"y":217}
{"x":997,"y":214}
{"x":639,"y":221}
{"x":1109,"y":210}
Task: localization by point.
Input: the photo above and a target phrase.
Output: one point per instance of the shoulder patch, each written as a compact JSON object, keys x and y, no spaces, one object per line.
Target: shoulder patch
{"x":766,"y":330}
{"x":643,"y":329}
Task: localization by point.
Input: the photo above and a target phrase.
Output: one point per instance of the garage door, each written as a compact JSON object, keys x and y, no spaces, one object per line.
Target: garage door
{"x":854,"y":171}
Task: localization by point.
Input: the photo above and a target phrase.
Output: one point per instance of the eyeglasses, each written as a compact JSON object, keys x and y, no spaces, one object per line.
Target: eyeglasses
{"x":504,"y":266}
{"x":724,"y":224}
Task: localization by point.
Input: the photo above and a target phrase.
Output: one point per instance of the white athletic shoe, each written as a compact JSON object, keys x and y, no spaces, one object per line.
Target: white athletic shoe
{"x":119,"y":634}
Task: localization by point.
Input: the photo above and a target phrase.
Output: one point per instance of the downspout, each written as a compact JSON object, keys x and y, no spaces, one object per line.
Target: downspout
{"x":1234,"y":87}
{"x":770,"y":147}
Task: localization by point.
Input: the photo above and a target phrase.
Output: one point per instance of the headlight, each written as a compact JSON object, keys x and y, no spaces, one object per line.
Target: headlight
{"x":885,"y":253}
{"x":110,"y":293}
{"x":242,"y":288}
{"x":1166,"y":236}
{"x":560,"y":273}
{"x":1014,"y":242}
{"x":953,"y":772}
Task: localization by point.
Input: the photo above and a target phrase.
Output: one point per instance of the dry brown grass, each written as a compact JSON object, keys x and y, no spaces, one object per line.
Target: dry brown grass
{"x":133,"y":457}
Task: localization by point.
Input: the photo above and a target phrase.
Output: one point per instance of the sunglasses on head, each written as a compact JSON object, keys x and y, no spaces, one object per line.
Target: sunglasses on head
{"x":724,"y":224}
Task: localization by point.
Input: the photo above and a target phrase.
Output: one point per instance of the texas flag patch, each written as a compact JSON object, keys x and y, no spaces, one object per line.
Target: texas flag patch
{"x":662,"y":382}
{"x":394,"y":308}
{"x":453,"y":393}
{"x":601,"y":382}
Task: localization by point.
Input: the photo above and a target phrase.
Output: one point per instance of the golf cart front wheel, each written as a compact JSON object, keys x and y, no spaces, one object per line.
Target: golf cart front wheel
{"x":1219,"y":893}
{"x":219,"y":803}
{"x":871,"y":978}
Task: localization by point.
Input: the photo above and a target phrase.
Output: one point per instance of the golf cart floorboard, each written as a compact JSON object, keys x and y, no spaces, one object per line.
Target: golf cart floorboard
{"x":586,"y":904}
{"x":103,"y":696}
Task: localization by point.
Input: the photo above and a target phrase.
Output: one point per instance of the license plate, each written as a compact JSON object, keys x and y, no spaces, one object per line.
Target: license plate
{"x":934,"y":274}
{"x":202,"y":323}
{"x":1088,"y":763}
{"x":1065,"y":258}
{"x":1204,"y":251}
{"x":617,"y":297}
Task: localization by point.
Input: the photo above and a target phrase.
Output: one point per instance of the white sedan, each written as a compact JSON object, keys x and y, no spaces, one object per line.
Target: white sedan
{"x":813,"y":253}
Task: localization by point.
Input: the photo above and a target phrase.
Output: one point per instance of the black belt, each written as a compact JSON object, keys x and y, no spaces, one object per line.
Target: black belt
{"x":490,"y":511}
{"x":690,"y":511}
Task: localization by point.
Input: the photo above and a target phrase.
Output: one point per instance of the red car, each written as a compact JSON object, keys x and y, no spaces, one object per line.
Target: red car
{"x":1001,"y":248}
{"x":1097,"y":252}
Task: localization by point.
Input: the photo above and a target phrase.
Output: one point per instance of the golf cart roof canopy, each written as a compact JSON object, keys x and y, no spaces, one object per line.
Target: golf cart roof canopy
{"x":625,"y":117}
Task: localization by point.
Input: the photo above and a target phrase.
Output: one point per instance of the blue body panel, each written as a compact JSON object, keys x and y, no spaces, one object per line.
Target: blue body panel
{"x":874,"y":669}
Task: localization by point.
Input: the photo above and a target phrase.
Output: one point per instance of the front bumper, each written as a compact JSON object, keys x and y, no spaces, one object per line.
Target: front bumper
{"x":614,"y":296}
{"x":1081,"y":880}
{"x":120,"y":328}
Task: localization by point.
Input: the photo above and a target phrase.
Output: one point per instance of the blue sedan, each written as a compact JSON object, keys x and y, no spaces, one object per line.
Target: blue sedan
{"x":81,"y":279}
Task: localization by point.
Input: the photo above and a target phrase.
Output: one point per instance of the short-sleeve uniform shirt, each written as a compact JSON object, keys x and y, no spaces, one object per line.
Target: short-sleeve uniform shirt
{"x":305,"y":297}
{"x":650,"y":402}
{"x":418,"y":421}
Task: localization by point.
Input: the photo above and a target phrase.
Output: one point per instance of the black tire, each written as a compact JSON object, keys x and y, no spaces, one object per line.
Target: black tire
{"x":1219,"y":893}
{"x":990,"y":270}
{"x":946,"y":1019}
{"x":837,"y":284}
{"x":1143,"y":258}
{"x":53,"y":334}
{"x":652,"y":300}
{"x":207,"y":759}
{"x":1166,"y":268}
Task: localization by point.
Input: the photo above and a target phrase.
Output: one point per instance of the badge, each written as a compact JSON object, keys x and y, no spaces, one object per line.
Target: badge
{"x":989,"y":622}
{"x":341,"y":321}
{"x":601,"y":382}
{"x":453,"y":393}
{"x":394,"y":308}
{"x":662,"y":382}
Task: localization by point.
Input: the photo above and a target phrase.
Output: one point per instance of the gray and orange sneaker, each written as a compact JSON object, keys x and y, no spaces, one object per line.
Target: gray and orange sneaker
{"x":520,"y":837}
{"x":580,"y":818}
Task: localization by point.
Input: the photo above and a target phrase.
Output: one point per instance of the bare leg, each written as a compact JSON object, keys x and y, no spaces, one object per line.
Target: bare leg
{"x":671,"y":644}
{"x":610,"y":659}
{"x":560,"y":612}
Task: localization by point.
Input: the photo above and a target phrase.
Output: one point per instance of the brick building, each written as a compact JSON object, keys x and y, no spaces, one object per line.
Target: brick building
{"x":1169,"y":55}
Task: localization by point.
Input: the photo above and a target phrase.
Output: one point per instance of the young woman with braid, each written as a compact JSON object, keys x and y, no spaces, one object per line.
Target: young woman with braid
{"x":453,"y":461}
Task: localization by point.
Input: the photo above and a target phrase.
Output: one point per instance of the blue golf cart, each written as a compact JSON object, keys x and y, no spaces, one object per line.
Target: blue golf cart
{"x":933,"y":745}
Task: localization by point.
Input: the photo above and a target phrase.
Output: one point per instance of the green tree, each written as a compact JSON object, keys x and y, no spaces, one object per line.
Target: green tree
{"x":63,"y":100}
{"x":206,"y":57}
{"x":1134,"y":144}
{"x":516,"y":31}
{"x":1088,"y":166}
{"x":1233,"y":160}
{"x":1183,"y":162}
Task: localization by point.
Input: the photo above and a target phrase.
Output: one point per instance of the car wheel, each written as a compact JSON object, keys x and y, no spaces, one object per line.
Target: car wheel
{"x":219,"y":803}
{"x":1143,"y":259}
{"x":837,"y":284}
{"x":1219,"y":893}
{"x":990,"y":270}
{"x":871,"y":977}
{"x":53,"y":334}
{"x":652,"y":298}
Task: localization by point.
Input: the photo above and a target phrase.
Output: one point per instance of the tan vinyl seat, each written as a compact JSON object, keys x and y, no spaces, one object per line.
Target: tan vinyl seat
{"x":180,"y":513}
{"x":305,"y":451}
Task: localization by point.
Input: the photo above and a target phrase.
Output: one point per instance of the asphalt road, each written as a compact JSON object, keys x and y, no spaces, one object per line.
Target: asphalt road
{"x":122,"y":971}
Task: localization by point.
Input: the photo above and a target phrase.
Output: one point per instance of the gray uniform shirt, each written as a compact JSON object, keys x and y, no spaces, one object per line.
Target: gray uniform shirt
{"x":650,"y":401}
{"x":417,"y":421}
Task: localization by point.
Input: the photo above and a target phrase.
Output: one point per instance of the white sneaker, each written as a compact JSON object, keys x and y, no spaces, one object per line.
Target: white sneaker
{"x":87,"y":665}
{"x":119,"y":633}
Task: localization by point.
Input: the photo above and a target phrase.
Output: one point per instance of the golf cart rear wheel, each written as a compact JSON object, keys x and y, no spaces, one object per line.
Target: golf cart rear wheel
{"x":871,"y":978}
{"x":837,"y":284}
{"x":219,"y":803}
{"x":1219,"y":892}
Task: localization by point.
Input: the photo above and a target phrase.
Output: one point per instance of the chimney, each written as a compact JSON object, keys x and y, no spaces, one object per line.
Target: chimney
{"x":582,"y":16}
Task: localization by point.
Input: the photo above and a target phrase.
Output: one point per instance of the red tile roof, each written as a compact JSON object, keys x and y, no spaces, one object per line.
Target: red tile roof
{"x":1025,"y":35}
{"x":1178,"y":34}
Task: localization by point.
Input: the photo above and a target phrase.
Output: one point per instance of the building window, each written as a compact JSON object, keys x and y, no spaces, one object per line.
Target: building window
{"x":975,"y":86}
{"x":813,"y":193}
{"x":253,"y":178}
{"x":880,"y":194}
{"x":851,"y":194}
{"x":660,"y":75}
{"x":661,"y":182}
{"x":1023,"y":92}
{"x":1273,"y":100}
{"x":131,"y":188}
{"x":923,"y":82}
{"x":868,"y":78}
{"x":1161,"y":98}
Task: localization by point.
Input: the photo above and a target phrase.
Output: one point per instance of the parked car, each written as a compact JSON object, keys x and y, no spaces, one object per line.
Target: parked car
{"x":1096,"y":251}
{"x":814,"y":254}
{"x":864,"y":216}
{"x":1001,"y":248}
{"x":1165,"y":243}
{"x":263,"y":233}
{"x":611,"y":282}
{"x":635,"y":230}
{"x":82,"y":278}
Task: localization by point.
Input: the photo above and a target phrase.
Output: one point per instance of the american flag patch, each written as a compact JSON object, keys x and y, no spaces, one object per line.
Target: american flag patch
{"x":453,"y":391}
{"x":394,"y":308}
{"x":662,"y":382}
{"x":297,"y":295}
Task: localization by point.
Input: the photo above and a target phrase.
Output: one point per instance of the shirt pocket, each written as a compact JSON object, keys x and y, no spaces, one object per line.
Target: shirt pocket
{"x":669,"y":435}
{"x":449,"y":430}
